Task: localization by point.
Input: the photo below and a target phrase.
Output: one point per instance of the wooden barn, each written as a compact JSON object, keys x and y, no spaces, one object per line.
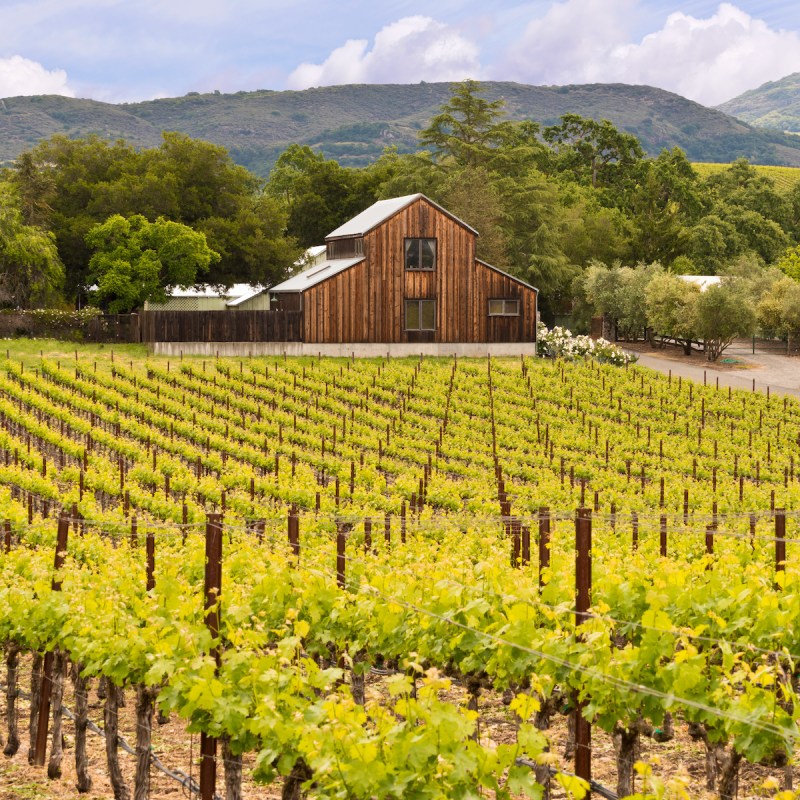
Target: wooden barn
{"x":404,"y":271}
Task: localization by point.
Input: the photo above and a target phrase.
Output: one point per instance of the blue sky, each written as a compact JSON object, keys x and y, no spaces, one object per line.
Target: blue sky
{"x":127,"y":50}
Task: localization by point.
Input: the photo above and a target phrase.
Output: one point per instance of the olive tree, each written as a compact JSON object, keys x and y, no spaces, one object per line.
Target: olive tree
{"x":722,"y":313}
{"x":670,"y":304}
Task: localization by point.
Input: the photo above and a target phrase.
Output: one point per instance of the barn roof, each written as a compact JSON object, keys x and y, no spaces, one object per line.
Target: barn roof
{"x":315,"y":274}
{"x":381,"y":211}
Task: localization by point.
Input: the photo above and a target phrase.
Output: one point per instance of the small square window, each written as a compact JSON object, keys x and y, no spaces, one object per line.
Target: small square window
{"x":502,"y":307}
{"x":421,"y":315}
{"x":420,"y":254}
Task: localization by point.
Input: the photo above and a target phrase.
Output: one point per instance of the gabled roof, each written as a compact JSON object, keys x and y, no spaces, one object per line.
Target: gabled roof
{"x":315,"y":274}
{"x":506,"y":274}
{"x":237,"y":301}
{"x":381,"y":211}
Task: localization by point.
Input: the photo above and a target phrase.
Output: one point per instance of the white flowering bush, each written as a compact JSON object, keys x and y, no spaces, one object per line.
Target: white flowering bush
{"x":561,"y":343}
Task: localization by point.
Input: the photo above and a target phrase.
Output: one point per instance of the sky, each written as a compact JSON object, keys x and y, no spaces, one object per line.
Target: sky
{"x":130,"y":50}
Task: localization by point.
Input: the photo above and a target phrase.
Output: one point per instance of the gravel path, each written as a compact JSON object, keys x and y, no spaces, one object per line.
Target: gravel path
{"x":760,"y":370}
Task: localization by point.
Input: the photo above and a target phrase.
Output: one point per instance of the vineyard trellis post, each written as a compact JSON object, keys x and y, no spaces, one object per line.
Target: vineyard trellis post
{"x":544,"y":542}
{"x":213,"y":584}
{"x":583,"y":599}
{"x":780,"y":540}
{"x":43,"y":720}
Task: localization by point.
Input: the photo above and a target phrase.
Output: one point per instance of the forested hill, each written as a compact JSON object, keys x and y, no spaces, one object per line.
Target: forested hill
{"x":354,"y":123}
{"x":773,"y":105}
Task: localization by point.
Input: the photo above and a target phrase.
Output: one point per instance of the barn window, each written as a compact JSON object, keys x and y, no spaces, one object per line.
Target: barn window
{"x":421,"y":315}
{"x":503,"y":308}
{"x":420,"y":253}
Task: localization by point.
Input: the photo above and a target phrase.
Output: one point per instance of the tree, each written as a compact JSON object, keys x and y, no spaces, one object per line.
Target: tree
{"x":670,"y":302}
{"x":596,"y":153}
{"x":722,"y":313}
{"x":789,"y":263}
{"x":317,"y":194}
{"x":136,"y":260}
{"x":778,"y":309}
{"x":31,"y":273}
{"x":69,"y":186}
{"x":468,"y":128}
{"x":620,"y":292}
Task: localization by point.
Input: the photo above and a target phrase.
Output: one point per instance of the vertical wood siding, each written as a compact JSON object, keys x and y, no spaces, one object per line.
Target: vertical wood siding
{"x":366,"y":302}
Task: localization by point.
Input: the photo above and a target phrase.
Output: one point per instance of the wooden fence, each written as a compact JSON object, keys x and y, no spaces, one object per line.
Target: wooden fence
{"x":110,"y":328}
{"x":221,"y":326}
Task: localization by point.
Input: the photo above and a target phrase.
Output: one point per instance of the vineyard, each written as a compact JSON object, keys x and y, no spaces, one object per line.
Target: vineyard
{"x":330,"y":568}
{"x":784,"y":178}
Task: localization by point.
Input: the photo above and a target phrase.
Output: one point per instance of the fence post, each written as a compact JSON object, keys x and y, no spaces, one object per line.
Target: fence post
{"x":583,"y":599}
{"x":7,"y":531}
{"x":213,"y":584}
{"x":43,"y":719}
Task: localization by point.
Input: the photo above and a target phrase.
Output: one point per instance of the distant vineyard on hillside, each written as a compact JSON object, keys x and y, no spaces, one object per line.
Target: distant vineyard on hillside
{"x":784,"y":178}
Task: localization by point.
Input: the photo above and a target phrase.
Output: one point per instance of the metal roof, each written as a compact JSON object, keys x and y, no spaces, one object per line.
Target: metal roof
{"x":379,"y":212}
{"x":202,"y":290}
{"x":237,"y":301}
{"x":315,"y":274}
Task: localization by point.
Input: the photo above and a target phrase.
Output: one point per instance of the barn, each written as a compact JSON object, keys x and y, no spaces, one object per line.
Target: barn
{"x":402,"y":277}
{"x":405,"y":272}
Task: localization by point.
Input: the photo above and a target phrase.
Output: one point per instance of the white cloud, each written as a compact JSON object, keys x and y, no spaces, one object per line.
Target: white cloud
{"x":708,"y":60}
{"x":561,"y":46}
{"x":412,"y":49}
{"x":21,"y":76}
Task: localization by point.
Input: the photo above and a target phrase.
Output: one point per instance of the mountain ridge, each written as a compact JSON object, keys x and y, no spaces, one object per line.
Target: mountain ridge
{"x":775,"y":105}
{"x":354,"y":123}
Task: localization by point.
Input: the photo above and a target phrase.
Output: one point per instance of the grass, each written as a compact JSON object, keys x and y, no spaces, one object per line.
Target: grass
{"x":29,"y":350}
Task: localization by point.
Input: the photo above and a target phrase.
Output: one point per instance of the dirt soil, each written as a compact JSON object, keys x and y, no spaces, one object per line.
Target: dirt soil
{"x":680,"y":759}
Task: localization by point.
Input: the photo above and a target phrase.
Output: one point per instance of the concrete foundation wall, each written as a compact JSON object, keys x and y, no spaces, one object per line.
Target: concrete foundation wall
{"x":345,"y":350}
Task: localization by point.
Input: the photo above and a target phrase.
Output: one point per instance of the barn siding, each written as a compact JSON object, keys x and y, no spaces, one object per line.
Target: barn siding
{"x":365,"y":303}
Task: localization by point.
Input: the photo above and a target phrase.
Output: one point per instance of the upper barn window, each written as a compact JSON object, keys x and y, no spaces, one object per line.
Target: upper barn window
{"x":420,"y":253}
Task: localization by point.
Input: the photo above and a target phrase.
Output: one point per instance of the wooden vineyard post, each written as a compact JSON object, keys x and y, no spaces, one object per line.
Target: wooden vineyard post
{"x":403,"y":522}
{"x":709,"y":542}
{"x":43,"y":719}
{"x":516,"y":542}
{"x":544,"y":542}
{"x":662,"y":534}
{"x":634,"y":531}
{"x":583,"y":599}
{"x":294,"y":530}
{"x":150,"y":550}
{"x":387,"y":529}
{"x":341,"y":540}
{"x":367,"y":534}
{"x":7,"y":535}
{"x":526,"y":545}
{"x":780,"y":540}
{"x":213,"y":584}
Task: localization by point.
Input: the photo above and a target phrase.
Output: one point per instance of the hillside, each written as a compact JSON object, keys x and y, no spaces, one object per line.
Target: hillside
{"x":354,"y":123}
{"x":774,"y":105}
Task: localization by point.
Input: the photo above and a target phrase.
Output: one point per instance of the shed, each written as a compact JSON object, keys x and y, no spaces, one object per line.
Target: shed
{"x":240,"y":296}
